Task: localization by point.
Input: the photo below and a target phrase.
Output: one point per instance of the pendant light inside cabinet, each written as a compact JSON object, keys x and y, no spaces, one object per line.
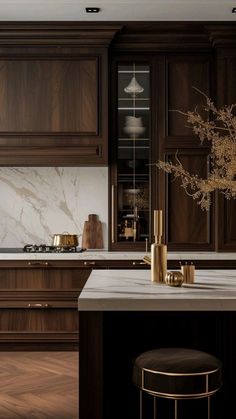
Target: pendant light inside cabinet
{"x":133,"y":87}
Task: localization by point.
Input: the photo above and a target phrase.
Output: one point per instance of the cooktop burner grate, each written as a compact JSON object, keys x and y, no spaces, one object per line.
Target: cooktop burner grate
{"x":44,"y":248}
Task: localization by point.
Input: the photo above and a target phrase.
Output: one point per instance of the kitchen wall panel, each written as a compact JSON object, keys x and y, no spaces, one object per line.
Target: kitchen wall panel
{"x":39,"y":202}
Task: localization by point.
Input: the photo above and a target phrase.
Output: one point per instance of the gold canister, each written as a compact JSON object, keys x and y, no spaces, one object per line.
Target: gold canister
{"x":158,"y":251}
{"x":174,"y":278}
{"x":188,"y":271}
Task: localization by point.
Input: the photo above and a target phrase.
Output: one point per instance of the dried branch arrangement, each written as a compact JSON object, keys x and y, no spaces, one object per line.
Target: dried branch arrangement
{"x":220,"y":132}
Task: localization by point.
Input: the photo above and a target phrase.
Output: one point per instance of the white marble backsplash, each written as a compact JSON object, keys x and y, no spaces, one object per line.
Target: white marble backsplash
{"x":37,"y":202}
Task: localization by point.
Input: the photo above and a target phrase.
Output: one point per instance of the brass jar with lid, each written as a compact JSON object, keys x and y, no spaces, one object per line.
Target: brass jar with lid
{"x":174,"y":278}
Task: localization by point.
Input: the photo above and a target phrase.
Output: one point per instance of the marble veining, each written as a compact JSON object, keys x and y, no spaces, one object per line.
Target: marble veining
{"x":133,"y":290}
{"x":39,"y":202}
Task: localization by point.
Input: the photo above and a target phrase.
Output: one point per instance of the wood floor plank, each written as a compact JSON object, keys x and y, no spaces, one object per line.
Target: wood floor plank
{"x":38,"y":385}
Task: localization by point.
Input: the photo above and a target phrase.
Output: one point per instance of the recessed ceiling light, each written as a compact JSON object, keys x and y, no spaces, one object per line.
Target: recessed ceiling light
{"x":234,"y":10}
{"x":92,"y":9}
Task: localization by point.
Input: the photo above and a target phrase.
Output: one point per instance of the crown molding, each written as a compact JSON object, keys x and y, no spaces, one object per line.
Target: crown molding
{"x":52,"y":33}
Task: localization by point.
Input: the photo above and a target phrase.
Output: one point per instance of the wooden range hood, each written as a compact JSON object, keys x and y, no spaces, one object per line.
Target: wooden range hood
{"x":54,"y":93}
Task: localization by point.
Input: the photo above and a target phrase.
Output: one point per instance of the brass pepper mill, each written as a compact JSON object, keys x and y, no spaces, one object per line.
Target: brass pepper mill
{"x":188,"y":272}
{"x":158,"y":251}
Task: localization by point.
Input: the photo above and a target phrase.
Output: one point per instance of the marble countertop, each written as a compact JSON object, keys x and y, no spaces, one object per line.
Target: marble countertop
{"x":87,"y":255}
{"x":107,"y":255}
{"x":125,"y":290}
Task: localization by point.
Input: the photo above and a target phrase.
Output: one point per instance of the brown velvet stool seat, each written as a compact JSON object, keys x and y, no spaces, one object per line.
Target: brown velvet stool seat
{"x":177,"y":373}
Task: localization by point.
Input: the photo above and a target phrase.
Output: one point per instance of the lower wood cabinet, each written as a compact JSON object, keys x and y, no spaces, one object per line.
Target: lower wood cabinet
{"x":39,"y":300}
{"x":39,"y":325}
{"x":38,"y":304}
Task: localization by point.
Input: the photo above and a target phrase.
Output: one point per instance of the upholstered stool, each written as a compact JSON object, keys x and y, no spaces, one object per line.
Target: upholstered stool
{"x":177,"y":373}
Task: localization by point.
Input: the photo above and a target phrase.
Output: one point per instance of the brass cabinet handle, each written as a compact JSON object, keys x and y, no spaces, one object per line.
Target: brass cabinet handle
{"x":89,"y":263}
{"x":113,"y":214}
{"x":38,"y":305}
{"x":38,"y":263}
{"x":138,"y":263}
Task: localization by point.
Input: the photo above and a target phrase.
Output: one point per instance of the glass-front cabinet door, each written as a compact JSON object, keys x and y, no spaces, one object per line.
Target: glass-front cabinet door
{"x":130,"y":188}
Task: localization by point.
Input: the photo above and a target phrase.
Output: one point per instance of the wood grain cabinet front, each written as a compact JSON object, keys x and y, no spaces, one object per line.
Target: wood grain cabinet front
{"x":38,"y":305}
{"x":39,"y":300}
{"x":163,"y":82}
{"x":54,"y":94}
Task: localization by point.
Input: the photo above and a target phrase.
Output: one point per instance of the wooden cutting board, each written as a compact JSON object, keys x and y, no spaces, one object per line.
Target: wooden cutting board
{"x":92,"y":233}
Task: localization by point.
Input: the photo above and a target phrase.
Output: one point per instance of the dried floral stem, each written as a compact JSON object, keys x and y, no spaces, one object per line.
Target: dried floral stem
{"x":221,"y":134}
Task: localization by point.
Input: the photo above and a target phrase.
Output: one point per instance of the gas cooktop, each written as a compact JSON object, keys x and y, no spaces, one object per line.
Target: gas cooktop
{"x":44,"y":248}
{"x":41,"y":248}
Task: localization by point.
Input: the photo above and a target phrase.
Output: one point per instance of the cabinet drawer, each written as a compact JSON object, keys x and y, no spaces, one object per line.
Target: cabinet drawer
{"x":40,"y":300}
{"x":37,"y":320}
{"x":30,"y":278}
{"x":127,"y":264}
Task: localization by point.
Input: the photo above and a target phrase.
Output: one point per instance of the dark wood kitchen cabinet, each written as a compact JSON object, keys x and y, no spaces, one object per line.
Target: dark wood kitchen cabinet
{"x":226,"y":94}
{"x":39,"y":300}
{"x":146,"y":91}
{"x":38,"y":303}
{"x":130,"y":170}
{"x":180,"y":56}
{"x":54,"y":94}
{"x":187,"y":226}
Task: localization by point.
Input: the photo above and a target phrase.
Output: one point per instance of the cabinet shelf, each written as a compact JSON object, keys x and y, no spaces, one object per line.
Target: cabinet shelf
{"x":132,"y":139}
{"x":131,"y":174}
{"x":136,"y":98}
{"x":130,"y":209}
{"x":133,"y":147}
{"x":133,"y":108}
{"x":133,"y":71}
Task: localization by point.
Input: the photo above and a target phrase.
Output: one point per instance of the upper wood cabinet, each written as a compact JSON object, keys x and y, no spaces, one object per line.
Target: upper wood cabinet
{"x":184,"y":73}
{"x":54,"y":94}
{"x":226,"y":94}
{"x":130,"y":171}
{"x":165,"y":84}
{"x":187,"y":226}
{"x":49,"y":96}
{"x":180,"y":56}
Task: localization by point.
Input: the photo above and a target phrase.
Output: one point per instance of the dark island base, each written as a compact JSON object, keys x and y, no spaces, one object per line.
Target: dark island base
{"x":109,"y":341}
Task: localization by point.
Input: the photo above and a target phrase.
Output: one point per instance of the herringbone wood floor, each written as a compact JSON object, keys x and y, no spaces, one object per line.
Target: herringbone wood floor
{"x":42,"y":385}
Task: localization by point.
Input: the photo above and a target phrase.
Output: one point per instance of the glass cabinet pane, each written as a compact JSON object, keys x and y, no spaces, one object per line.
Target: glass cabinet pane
{"x":133,"y":113}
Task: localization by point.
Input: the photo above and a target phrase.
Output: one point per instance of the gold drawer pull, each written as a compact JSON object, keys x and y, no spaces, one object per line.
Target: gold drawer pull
{"x":38,"y":305}
{"x":89,"y":263}
{"x":38,"y":263}
{"x":138,"y":263}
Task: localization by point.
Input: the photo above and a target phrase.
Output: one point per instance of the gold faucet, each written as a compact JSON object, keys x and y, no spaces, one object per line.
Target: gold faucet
{"x":147,"y":260}
{"x":158,"y":251}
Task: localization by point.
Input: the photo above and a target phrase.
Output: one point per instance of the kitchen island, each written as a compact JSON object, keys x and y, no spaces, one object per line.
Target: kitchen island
{"x":123,"y":314}
{"x":39,"y":290}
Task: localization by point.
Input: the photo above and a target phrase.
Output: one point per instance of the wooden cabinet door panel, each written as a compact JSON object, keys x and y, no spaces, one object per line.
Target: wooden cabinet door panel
{"x":226,"y":224}
{"x":39,"y":304}
{"x":226,"y":88}
{"x":38,"y":320}
{"x":49,"y":96}
{"x":183,"y":73}
{"x":43,"y":279}
{"x":186,"y":224}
